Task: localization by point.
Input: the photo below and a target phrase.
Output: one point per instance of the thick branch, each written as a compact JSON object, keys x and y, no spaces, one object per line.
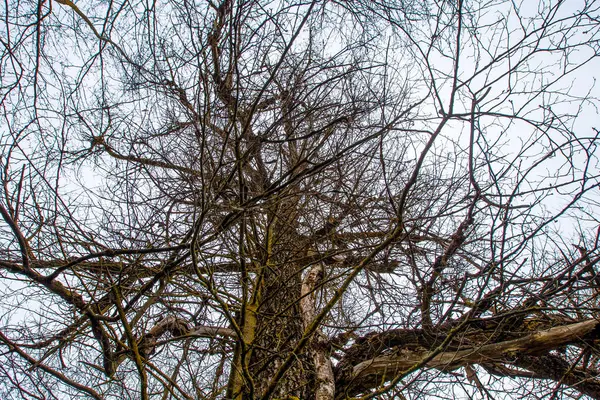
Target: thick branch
{"x":178,"y":327}
{"x":371,"y":373}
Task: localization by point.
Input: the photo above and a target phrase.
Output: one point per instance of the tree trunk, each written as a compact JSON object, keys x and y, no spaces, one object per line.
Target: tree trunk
{"x":273,"y":322}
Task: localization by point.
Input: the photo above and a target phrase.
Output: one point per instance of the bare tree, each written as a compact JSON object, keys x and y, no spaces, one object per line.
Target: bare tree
{"x":285,"y":199}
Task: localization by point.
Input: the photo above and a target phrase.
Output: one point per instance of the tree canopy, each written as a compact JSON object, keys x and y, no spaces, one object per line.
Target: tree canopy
{"x":314,"y":199}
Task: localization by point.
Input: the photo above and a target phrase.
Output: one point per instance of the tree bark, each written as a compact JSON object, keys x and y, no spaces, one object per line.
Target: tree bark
{"x":324,"y":380}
